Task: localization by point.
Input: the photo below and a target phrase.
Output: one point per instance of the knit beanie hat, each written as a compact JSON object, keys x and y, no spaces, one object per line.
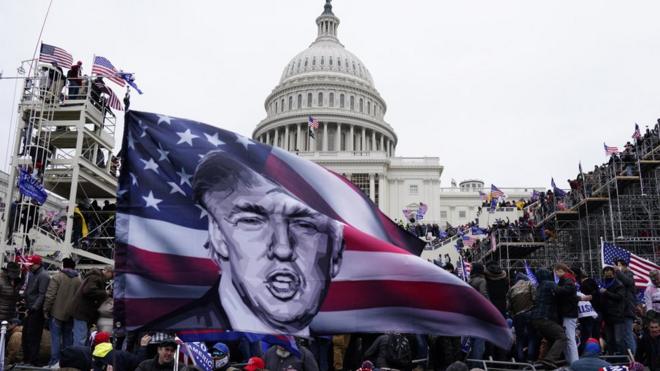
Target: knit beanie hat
{"x":592,"y":347}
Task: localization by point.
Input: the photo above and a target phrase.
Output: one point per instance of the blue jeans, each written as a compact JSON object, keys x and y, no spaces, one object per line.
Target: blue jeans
{"x":629,"y":336}
{"x":477,"y":351}
{"x":79,"y":332}
{"x":61,"y":336}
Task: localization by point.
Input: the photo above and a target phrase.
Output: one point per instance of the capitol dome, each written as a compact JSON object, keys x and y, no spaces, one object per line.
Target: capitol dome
{"x":332,"y":85}
{"x":324,"y":57}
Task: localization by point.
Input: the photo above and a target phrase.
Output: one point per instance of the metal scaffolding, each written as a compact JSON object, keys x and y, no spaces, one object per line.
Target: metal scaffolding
{"x":617,"y":202}
{"x":66,"y":142}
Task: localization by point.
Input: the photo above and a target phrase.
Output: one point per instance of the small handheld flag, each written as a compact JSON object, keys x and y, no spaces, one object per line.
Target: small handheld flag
{"x":312,"y":124}
{"x":610,"y":150}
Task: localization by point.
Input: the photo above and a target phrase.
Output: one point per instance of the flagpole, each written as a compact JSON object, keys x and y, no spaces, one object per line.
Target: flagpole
{"x":602,"y":258}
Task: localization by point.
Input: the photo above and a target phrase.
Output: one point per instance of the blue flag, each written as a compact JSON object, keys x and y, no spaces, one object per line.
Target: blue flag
{"x":29,"y":186}
{"x":130,"y":80}
{"x":476,"y":230}
{"x":200,"y":355}
{"x":559,"y":193}
{"x":530,"y":275}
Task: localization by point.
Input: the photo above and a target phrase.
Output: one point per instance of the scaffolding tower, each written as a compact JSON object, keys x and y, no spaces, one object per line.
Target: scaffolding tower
{"x":65,"y":142}
{"x":619,"y":202}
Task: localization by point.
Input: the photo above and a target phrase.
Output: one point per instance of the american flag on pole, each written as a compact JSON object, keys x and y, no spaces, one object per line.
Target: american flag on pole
{"x":166,"y":258}
{"x":112,"y":100}
{"x":51,"y":53}
{"x":312,"y":125}
{"x":637,"y":134}
{"x":103,"y":67}
{"x":610,"y":150}
{"x":495,"y":192}
{"x":638,"y":265}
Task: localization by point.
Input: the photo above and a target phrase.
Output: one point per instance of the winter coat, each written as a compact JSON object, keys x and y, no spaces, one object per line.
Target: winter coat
{"x":479,"y":283}
{"x":520,"y":297}
{"x":61,"y":291}
{"x":8,"y":297}
{"x":35,"y":292}
{"x":652,"y":298}
{"x":566,"y":295}
{"x":648,"y":352}
{"x":628,"y":280}
{"x":589,"y":286}
{"x":497,"y":285}
{"x":545,"y":306}
{"x":306,"y":362}
{"x":153,"y":365}
{"x":589,"y":362}
{"x":89,"y":297}
{"x":120,"y":360}
{"x":613,"y":301}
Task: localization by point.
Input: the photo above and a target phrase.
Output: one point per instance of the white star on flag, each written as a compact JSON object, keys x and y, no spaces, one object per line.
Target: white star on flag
{"x":185,"y":178}
{"x":165,"y":119}
{"x":176,"y":188}
{"x":144,"y":129}
{"x":120,"y":192}
{"x":213,"y":139}
{"x":163,"y":153}
{"x":186,"y":137}
{"x":150,"y":165}
{"x":131,"y":141}
{"x":133,"y":179}
{"x":202,"y":213}
{"x":152,"y":201}
{"x":244,"y":141}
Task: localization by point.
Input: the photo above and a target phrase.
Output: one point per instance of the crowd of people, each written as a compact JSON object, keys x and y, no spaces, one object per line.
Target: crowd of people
{"x":558,"y":317}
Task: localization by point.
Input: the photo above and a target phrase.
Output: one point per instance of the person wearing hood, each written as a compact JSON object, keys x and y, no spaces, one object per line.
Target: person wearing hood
{"x":590,"y":360}
{"x":567,"y":304}
{"x":497,"y":286}
{"x":84,"y":306}
{"x":544,"y":318}
{"x":10,"y":284}
{"x":61,"y":290}
{"x":613,"y":295}
{"x":279,"y":358}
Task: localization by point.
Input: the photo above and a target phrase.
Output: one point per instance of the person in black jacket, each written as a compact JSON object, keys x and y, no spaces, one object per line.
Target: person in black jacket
{"x":567,"y":306}
{"x":648,"y":351}
{"x":625,"y":275}
{"x":613,"y":294}
{"x":589,"y":326}
{"x":544,"y":318}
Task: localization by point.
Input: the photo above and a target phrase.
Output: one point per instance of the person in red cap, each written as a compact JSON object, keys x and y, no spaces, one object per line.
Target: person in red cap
{"x":74,"y":76}
{"x":255,"y":364}
{"x":35,"y":294}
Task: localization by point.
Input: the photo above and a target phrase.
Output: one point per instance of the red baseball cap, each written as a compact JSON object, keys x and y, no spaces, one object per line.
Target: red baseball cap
{"x":101,"y":337}
{"x":254,"y":363}
{"x":34,"y":259}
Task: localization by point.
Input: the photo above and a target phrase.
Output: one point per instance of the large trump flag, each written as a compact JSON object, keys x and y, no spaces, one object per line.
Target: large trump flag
{"x":218,"y":232}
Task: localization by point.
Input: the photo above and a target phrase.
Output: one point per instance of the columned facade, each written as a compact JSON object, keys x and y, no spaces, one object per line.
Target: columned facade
{"x":331,"y":85}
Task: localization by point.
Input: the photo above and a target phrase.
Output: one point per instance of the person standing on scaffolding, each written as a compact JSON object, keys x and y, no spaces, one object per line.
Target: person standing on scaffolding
{"x":74,"y":76}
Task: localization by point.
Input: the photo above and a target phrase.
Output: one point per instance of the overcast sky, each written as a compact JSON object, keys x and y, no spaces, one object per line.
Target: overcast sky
{"x":512,"y":92}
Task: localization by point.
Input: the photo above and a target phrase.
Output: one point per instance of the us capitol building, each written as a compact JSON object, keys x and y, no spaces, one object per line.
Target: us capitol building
{"x":331,"y":84}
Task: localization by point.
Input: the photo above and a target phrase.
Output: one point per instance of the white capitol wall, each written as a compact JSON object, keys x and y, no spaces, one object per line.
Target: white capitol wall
{"x":334,"y":86}
{"x":460,"y":206}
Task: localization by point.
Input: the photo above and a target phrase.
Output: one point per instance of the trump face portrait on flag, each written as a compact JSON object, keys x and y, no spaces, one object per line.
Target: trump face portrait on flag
{"x":276,"y":254}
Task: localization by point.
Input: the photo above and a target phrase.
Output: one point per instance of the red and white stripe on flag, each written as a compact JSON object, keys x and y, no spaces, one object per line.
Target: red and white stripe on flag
{"x":641,"y":268}
{"x":102,"y":67}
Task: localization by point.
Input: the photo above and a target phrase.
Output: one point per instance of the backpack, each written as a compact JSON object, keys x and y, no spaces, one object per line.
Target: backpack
{"x":398,"y":352}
